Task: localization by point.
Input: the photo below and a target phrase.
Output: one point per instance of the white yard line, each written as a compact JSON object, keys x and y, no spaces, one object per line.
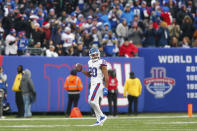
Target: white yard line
{"x":174,"y":123}
{"x":40,"y":126}
{"x":89,"y":118}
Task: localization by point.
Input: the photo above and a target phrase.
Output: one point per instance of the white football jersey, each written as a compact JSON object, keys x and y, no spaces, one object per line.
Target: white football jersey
{"x":96,"y":72}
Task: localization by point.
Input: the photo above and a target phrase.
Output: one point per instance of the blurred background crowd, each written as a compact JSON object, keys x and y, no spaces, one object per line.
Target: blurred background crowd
{"x":117,"y":27}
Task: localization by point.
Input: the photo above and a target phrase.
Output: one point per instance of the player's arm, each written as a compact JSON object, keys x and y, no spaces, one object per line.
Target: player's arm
{"x":105,"y":73}
{"x":86,"y":73}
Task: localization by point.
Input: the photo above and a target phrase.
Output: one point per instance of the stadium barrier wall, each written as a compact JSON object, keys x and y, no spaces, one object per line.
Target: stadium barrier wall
{"x":170,"y":79}
{"x":49,"y":74}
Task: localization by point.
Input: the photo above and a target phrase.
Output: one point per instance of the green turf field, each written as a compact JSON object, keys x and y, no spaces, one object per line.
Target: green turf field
{"x":142,"y":122}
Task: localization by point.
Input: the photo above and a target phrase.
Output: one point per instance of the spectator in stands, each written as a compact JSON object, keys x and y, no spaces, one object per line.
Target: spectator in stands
{"x":181,"y":14}
{"x":113,"y":18}
{"x":112,"y":92}
{"x":128,"y":14}
{"x":165,"y":14}
{"x":149,"y":35}
{"x":122,"y":30}
{"x":87,"y":40}
{"x":70,"y":51}
{"x":135,"y":34}
{"x":20,"y":23}
{"x":11,"y":43}
{"x":88,"y":25}
{"x":28,"y":92}
{"x":110,"y":44}
{"x":185,"y":43}
{"x":194,"y":44}
{"x":79,"y":51}
{"x":60,"y":50}
{"x":144,"y":12}
{"x":37,"y":34}
{"x":46,"y":31}
{"x":174,"y":42}
{"x":132,"y":90}
{"x":187,"y":27}
{"x":97,"y":37}
{"x":57,"y":36}
{"x":128,"y":49}
{"x":73,"y":85}
{"x":68,"y":39}
{"x":163,"y":35}
{"x":172,"y":8}
{"x":22,"y":43}
{"x":105,"y":30}
{"x":51,"y":51}
{"x":174,"y":29}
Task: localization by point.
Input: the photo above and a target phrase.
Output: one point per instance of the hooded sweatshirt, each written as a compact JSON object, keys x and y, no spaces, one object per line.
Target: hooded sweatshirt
{"x":27,"y":85}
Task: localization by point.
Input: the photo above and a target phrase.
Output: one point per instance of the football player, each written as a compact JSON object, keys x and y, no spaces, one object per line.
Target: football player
{"x":97,"y":71}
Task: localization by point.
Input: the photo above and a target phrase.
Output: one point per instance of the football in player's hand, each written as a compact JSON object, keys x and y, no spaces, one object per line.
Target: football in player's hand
{"x":78,"y":67}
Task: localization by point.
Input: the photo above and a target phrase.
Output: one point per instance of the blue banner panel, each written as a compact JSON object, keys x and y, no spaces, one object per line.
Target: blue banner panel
{"x":49,"y":74}
{"x":170,"y":79}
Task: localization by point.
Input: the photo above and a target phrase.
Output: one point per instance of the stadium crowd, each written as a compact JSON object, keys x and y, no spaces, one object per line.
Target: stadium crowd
{"x":117,"y":27}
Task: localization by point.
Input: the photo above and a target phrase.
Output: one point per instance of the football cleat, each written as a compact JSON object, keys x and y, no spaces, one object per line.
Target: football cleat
{"x":103,"y":119}
{"x":98,"y":124}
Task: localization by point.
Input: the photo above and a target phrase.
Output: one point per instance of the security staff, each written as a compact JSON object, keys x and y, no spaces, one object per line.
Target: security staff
{"x":133,"y":87}
{"x":73,"y":85}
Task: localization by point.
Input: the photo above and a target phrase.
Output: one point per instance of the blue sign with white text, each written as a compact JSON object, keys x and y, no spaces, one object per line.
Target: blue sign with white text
{"x":170,"y":79}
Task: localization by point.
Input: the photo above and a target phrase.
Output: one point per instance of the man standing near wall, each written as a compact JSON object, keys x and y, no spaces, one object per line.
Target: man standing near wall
{"x":73,"y":85}
{"x":18,"y":94}
{"x":132,"y":89}
{"x":28,"y":92}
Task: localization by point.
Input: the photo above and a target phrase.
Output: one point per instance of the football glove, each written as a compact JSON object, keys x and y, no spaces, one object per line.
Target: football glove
{"x":105,"y":91}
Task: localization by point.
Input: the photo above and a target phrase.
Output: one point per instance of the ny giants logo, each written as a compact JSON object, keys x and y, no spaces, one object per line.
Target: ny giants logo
{"x":159,"y":84}
{"x":56,"y":82}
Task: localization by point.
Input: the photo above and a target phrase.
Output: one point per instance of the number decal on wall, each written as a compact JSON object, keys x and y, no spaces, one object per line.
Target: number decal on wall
{"x":93,"y":71}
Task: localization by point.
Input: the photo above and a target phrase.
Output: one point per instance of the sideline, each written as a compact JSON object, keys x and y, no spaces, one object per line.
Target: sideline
{"x":90,"y":118}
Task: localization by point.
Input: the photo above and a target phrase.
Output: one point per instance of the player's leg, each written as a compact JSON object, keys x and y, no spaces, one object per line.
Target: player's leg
{"x":94,"y":102}
{"x":93,"y":91}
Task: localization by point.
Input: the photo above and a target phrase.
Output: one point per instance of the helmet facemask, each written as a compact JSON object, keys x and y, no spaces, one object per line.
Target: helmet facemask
{"x":95,"y":55}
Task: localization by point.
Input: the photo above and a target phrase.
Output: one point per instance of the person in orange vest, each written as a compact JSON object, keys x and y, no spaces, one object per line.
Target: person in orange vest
{"x":73,"y":85}
{"x":112,"y":92}
{"x":132,"y":90}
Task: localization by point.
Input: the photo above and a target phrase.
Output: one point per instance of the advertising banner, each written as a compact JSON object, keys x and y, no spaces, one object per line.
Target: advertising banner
{"x":170,"y":79}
